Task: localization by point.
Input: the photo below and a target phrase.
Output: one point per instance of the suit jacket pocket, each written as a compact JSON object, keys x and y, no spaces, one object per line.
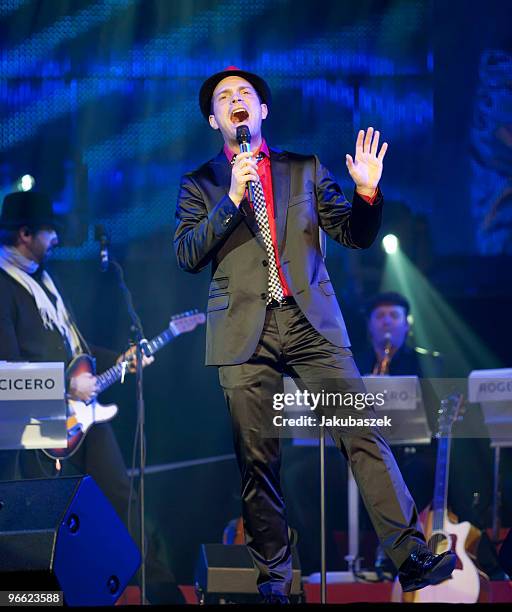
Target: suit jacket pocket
{"x":326,"y":287}
{"x":218,"y":302}
{"x":299,"y":199}
{"x":219,"y":283}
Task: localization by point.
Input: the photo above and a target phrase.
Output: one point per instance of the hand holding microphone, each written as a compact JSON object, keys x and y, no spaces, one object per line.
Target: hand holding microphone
{"x":245,"y":168}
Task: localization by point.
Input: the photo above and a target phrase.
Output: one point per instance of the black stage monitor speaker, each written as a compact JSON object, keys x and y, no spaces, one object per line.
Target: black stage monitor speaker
{"x":224,"y":569}
{"x":505,"y":554}
{"x":62,"y":534}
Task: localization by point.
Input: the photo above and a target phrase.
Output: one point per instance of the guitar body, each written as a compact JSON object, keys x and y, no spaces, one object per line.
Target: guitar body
{"x":81,"y":416}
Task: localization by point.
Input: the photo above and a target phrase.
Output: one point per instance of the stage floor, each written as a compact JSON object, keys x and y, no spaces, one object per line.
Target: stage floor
{"x":499,"y":592}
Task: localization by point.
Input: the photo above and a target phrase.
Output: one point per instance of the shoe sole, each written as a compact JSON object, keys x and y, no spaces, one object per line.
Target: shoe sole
{"x":438,"y":574}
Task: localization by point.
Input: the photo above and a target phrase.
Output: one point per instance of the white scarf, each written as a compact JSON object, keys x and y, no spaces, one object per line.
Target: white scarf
{"x":20,"y":268}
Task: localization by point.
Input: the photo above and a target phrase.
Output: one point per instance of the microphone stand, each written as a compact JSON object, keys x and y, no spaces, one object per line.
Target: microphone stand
{"x":139,"y":339}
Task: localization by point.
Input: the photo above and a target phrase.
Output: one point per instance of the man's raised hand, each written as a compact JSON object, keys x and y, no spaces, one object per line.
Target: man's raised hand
{"x":366,"y":168}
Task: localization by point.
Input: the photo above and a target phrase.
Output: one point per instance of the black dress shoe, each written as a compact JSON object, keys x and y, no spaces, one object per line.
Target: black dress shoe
{"x":276,"y":598}
{"x":423,"y":568}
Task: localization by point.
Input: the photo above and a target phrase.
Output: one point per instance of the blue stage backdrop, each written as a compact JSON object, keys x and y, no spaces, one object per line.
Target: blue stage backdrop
{"x":104,"y":94}
{"x":98,"y":102}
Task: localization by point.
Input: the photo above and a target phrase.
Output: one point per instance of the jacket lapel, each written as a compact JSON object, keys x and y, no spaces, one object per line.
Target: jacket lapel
{"x":280,"y":167}
{"x":222,"y":172}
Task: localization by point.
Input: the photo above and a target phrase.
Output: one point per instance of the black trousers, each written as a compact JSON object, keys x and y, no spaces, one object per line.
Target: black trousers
{"x":290,"y":345}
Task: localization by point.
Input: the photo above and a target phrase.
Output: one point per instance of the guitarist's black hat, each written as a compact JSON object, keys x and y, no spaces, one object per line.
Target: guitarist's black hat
{"x":31,"y":208}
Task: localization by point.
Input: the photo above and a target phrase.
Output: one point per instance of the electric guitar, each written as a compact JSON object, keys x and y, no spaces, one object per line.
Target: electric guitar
{"x":82,"y":415}
{"x":441,"y":530}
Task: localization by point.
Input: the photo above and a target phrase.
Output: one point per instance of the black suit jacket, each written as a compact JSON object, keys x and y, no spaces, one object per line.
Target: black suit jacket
{"x":210,"y":229}
{"x":23,"y":336}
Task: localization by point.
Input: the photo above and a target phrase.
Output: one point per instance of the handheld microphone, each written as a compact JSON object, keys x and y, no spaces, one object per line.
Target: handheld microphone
{"x":243,"y":137}
{"x":100,"y":235}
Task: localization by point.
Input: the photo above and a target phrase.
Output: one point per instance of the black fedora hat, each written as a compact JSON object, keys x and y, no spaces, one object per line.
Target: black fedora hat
{"x":208,"y":87}
{"x":30,"y":208}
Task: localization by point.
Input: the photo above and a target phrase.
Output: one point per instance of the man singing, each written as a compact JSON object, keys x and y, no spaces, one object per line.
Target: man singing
{"x":272,"y":310}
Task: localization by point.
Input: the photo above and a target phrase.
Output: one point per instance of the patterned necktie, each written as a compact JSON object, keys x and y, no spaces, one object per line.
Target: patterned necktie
{"x":275,"y":290}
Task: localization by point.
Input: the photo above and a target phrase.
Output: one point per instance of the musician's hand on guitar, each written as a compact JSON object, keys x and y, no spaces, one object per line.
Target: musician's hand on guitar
{"x":83,"y":387}
{"x":131,"y":358}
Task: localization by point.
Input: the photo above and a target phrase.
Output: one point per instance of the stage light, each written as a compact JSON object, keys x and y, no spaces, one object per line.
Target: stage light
{"x":390,"y":244}
{"x":437,"y":325}
{"x":25,"y":183}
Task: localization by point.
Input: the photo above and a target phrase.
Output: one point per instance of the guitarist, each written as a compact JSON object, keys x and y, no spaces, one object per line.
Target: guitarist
{"x":36,"y":325}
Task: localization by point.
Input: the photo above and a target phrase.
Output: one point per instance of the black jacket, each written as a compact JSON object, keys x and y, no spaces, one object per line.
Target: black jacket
{"x":23,"y":336}
{"x":210,"y":229}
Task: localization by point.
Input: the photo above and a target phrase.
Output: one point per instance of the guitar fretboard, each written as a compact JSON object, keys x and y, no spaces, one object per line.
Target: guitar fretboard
{"x":441,"y":482}
{"x":113,"y":374}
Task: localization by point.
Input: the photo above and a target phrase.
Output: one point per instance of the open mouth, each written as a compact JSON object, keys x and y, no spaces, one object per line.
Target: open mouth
{"x":239,"y":115}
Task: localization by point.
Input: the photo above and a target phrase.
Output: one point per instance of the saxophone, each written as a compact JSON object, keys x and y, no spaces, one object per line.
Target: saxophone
{"x":382,"y":367}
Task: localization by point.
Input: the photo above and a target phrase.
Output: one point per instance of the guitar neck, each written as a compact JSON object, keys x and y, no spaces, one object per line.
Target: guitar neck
{"x":113,"y":374}
{"x":439,"y":504}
